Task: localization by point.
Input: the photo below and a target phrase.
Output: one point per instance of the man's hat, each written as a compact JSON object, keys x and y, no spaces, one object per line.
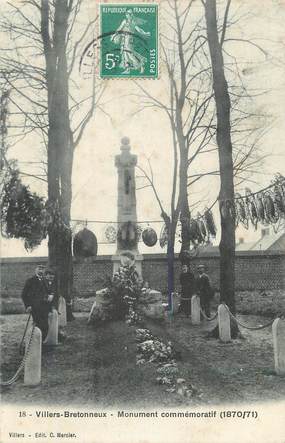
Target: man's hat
{"x":49,"y":272}
{"x":201,"y":267}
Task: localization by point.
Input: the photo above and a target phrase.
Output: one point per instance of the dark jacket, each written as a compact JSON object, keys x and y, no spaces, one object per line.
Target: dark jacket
{"x":203,"y":285}
{"x":187,"y":281}
{"x":35,"y":294}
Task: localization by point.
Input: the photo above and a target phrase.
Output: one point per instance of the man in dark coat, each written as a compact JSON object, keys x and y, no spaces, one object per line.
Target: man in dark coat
{"x":204,"y":290}
{"x":187,"y":281}
{"x":51,"y":284}
{"x":38,"y":299}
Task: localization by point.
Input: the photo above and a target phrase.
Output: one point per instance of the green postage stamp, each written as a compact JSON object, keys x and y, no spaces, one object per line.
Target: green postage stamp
{"x":129,"y":40}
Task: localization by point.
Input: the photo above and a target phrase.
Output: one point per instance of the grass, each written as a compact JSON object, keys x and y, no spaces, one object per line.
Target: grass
{"x":97,"y":366}
{"x":102,"y":370}
{"x":268,"y":303}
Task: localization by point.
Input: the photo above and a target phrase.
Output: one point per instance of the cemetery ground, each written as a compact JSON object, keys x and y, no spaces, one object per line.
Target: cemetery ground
{"x":97,"y":365}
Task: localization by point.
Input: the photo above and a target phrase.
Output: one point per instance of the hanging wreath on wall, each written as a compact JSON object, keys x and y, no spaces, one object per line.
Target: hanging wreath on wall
{"x":202,"y":228}
{"x":194,"y":232}
{"x":22,"y":213}
{"x":240,"y":210}
{"x":85,"y":244}
{"x":251,"y":208}
{"x":128,"y":235}
{"x":279,"y":197}
{"x":260,"y":209}
{"x":149,"y":237}
{"x":265,"y":207}
{"x":111,"y":234}
{"x":271,"y":215}
{"x":210,"y":223}
{"x":163,"y":238}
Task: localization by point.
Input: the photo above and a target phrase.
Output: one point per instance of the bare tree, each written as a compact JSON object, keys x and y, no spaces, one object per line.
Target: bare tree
{"x":170,"y":217}
{"x":226,"y":196}
{"x":233,"y":124}
{"x":39,"y":70}
{"x":189,"y":105}
{"x":190,"y":108}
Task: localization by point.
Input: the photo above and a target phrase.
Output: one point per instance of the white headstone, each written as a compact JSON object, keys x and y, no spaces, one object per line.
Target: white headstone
{"x":278,"y":330}
{"x":33,"y":363}
{"x":224,"y":323}
{"x":62,"y":312}
{"x":52,"y":336}
{"x":195,"y":310}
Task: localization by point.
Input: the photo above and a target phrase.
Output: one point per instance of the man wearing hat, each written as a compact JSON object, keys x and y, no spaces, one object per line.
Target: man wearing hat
{"x":51,"y":284}
{"x":187,"y":281}
{"x":38,"y":299}
{"x":204,"y":290}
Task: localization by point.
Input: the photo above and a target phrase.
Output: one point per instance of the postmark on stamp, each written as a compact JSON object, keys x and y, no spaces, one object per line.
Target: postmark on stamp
{"x":129,"y":48}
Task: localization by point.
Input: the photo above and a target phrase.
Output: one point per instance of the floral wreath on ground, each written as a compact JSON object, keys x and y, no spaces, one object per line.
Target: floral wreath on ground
{"x":151,"y":349}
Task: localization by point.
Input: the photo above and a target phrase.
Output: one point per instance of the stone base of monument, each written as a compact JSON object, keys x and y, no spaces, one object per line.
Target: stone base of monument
{"x":104,"y":308}
{"x":151,"y":305}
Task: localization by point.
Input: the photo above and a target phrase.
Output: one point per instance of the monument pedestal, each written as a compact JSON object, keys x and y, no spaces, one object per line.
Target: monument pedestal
{"x":116,"y":259}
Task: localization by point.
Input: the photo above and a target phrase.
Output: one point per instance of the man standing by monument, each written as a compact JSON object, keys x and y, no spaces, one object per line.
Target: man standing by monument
{"x":38,"y":300}
{"x":187,"y":281}
{"x":204,"y":290}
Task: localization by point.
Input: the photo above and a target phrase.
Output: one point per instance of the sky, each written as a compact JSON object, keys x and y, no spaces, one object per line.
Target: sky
{"x":94,"y":172}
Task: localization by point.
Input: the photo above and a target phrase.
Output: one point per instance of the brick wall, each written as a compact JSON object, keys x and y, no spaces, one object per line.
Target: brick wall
{"x":254,"y":270}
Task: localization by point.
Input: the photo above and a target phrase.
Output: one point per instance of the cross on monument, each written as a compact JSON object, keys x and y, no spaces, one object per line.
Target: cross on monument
{"x":127,"y":239}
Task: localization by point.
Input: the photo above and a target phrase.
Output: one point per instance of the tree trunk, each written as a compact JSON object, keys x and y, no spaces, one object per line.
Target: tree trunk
{"x":184,"y":204}
{"x":170,"y":273}
{"x":171,"y":225}
{"x":60,"y":146}
{"x":226,"y":197}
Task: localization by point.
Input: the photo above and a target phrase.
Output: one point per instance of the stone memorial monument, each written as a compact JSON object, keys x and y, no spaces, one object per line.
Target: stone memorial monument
{"x":127,"y":239}
{"x":127,"y":252}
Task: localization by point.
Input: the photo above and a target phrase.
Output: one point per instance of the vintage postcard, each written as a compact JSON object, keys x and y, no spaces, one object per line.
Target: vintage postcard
{"x":142,"y":221}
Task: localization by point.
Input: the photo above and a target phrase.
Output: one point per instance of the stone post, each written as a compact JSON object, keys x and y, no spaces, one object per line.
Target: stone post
{"x":224,"y":324}
{"x":278,"y":330}
{"x":33,"y":363}
{"x":52,"y":336}
{"x":62,"y":312}
{"x":195,"y":310}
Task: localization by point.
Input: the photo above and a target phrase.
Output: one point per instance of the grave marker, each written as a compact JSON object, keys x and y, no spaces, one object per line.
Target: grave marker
{"x":62,"y":312}
{"x":278,"y":329}
{"x":224,"y":324}
{"x":52,"y":336}
{"x":195,"y":310}
{"x":33,"y":363}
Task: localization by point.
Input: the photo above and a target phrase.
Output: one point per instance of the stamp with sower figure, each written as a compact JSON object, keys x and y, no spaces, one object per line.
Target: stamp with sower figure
{"x":129,"y":48}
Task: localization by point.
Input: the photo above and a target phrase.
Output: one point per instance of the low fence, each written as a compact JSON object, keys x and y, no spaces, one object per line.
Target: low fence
{"x":254,"y":271}
{"x":32,"y":361}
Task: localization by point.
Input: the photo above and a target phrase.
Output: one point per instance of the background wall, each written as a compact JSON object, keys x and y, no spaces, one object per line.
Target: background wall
{"x":254,"y":270}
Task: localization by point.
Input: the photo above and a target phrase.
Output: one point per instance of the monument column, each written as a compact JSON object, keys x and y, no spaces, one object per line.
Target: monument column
{"x":127,"y":240}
